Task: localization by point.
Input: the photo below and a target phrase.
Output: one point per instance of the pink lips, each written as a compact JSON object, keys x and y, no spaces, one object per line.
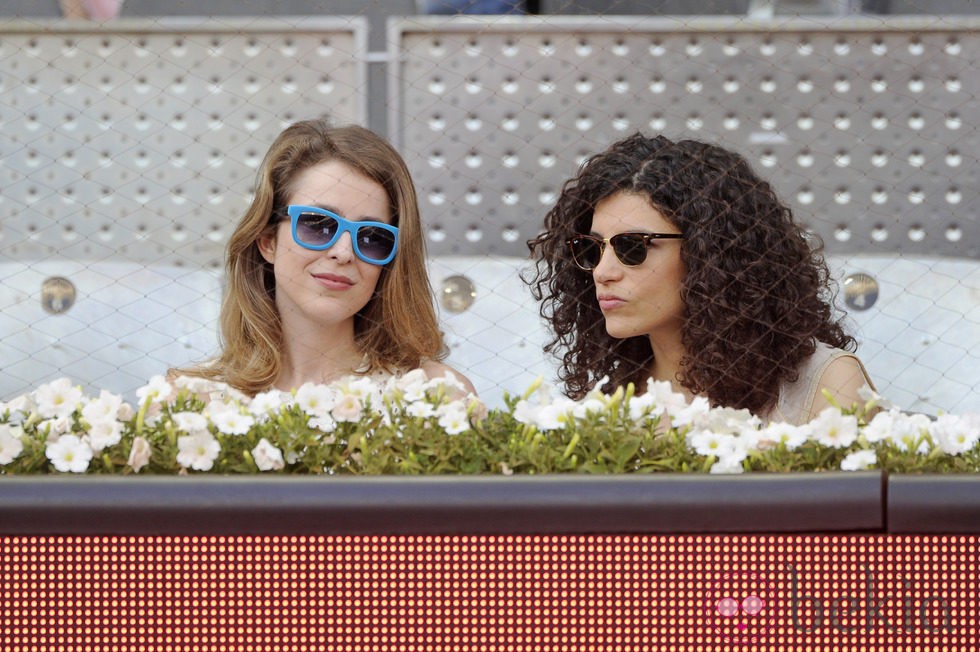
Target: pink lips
{"x":609,"y":302}
{"x":334,"y":281}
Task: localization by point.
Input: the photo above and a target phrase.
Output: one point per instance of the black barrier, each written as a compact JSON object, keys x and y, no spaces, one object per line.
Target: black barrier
{"x":654,"y":504}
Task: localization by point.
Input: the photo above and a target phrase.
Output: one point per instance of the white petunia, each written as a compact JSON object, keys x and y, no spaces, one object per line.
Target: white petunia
{"x":11,"y":445}
{"x":834,"y":429}
{"x":55,"y":427}
{"x":197,"y":451}
{"x":139,"y":454}
{"x":908,"y":430}
{"x":859,"y":460}
{"x":347,"y":408}
{"x":955,"y":434}
{"x":691,"y":413}
{"x":57,"y":399}
{"x":157,"y":390}
{"x":411,"y":385}
{"x":588,"y":405}
{"x":453,"y":418}
{"x":265,"y":404}
{"x":881,"y":426}
{"x":25,"y":404}
{"x":106,"y":406}
{"x":104,"y":433}
{"x":192,"y":423}
{"x":232,"y":422}
{"x":662,"y":393}
{"x":323,"y":423}
{"x":68,"y":453}
{"x":784,"y":433}
{"x":420,"y":409}
{"x":315,"y":399}
{"x":705,"y":442}
{"x":267,"y":457}
{"x":646,"y":406}
{"x":727,"y":465}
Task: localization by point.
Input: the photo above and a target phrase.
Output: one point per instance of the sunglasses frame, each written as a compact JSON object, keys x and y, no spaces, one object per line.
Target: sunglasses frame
{"x":602,"y":242}
{"x":294,"y":211}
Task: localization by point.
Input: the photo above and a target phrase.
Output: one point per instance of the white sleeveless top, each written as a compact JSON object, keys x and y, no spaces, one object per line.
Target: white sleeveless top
{"x":796,"y":399}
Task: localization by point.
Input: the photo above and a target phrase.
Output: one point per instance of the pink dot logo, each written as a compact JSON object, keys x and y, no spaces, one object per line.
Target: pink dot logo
{"x":740,"y":606}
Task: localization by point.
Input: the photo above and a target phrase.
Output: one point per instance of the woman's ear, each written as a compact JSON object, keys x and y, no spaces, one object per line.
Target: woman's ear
{"x":267,"y":244}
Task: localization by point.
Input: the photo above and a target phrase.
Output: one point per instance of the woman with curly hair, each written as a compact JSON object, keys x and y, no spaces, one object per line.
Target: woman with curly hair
{"x":326,"y":272}
{"x":674,"y":261}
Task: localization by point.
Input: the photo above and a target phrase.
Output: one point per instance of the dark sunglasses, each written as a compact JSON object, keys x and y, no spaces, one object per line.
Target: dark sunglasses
{"x":630,"y":248}
{"x":318,"y":229}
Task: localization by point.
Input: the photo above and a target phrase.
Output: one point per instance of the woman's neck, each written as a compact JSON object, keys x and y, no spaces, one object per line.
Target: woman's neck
{"x":319,"y":354}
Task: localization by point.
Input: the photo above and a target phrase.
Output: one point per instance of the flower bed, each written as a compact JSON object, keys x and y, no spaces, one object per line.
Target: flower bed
{"x":415,"y":425}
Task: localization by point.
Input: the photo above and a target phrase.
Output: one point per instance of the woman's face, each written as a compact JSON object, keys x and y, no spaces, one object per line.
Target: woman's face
{"x":329,"y":287}
{"x":645,"y":299}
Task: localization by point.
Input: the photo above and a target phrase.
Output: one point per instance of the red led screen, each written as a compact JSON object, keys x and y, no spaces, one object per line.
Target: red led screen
{"x":553,"y":592}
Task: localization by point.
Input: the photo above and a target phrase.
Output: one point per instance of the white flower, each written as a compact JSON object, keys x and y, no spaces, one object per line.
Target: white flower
{"x":315,"y":399}
{"x":859,"y":460}
{"x":324,"y":423}
{"x":198,"y":451}
{"x":449,"y":383}
{"x":139,"y":454}
{"x":104,"y":433}
{"x":267,"y":457}
{"x":57,"y":399}
{"x":10,"y":442}
{"x":728,"y":420}
{"x":68,"y":453}
{"x":228,"y":418}
{"x":727,"y":465}
{"x":662,"y":393}
{"x":232,"y":422}
{"x":192,"y":423}
{"x":25,"y":404}
{"x":107,"y":406}
{"x":646,"y":406}
{"x":881,"y":426}
{"x":955,"y":434}
{"x":909,"y":430}
{"x":156,"y":390}
{"x":691,"y":413}
{"x":591,"y":404}
{"x":453,"y":418}
{"x":411,"y":385}
{"x":420,"y":409}
{"x":835,"y":429}
{"x":55,"y":427}
{"x":787,"y":434}
{"x":551,"y":416}
{"x":265,"y":404}
{"x":347,"y":408}
{"x":705,"y":442}
{"x":869,"y":395}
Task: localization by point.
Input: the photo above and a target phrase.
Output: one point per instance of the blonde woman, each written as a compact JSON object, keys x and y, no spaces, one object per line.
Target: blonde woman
{"x":326,"y":270}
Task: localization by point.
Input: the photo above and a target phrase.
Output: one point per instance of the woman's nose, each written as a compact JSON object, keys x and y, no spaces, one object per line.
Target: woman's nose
{"x":608,"y":268}
{"x":343,"y":249}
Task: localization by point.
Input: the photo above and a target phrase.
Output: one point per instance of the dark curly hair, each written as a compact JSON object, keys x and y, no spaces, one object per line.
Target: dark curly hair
{"x":757,"y":293}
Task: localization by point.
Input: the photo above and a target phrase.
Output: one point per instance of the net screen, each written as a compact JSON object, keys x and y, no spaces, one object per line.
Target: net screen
{"x":582,"y":592}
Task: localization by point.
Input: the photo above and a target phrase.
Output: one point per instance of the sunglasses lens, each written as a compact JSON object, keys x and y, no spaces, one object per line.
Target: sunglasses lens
{"x":585,"y":252}
{"x":631,"y":249}
{"x":316,"y":230}
{"x":375,"y":243}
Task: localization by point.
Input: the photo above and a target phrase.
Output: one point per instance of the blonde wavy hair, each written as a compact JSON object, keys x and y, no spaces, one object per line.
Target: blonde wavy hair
{"x":396,"y":330}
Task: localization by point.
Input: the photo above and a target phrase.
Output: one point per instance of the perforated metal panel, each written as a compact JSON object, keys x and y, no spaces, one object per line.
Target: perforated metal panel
{"x":140,"y":140}
{"x":868,"y":128}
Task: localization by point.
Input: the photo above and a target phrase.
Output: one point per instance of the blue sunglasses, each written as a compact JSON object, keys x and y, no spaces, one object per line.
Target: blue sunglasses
{"x":318,"y":229}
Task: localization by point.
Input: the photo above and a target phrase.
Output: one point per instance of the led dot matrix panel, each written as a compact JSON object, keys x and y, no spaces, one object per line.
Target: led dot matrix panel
{"x":480,"y":592}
